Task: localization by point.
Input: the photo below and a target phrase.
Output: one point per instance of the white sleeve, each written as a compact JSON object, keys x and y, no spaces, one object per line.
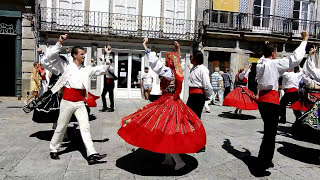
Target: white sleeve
{"x":51,"y":60}
{"x":206,"y":83}
{"x":158,"y":67}
{"x":291,"y":61}
{"x":98,"y":70}
{"x":311,"y":68}
{"x":244,"y":74}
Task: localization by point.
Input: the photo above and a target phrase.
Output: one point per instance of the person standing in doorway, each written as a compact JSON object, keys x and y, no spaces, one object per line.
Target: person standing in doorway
{"x":216,"y":83}
{"x":227,"y":82}
{"x":108,"y":80}
{"x":147,"y":81}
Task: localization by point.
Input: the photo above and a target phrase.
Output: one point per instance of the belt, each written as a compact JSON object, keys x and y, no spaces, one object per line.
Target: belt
{"x":74,"y":95}
{"x":194,"y":90}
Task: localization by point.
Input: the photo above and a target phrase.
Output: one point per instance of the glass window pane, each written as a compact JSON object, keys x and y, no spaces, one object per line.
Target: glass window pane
{"x":136,"y":71}
{"x":257,"y":10}
{"x":296,"y":14}
{"x":257,"y":2}
{"x":305,"y":6}
{"x":296,"y":5}
{"x":266,"y":11}
{"x":256,"y":21}
{"x":267,"y":3}
{"x":122,"y":70}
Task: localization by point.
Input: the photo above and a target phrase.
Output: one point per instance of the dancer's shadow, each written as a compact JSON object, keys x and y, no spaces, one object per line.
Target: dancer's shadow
{"x":231,"y":115}
{"x":72,"y":143}
{"x":246,"y":157}
{"x":299,"y":153}
{"x":146,"y":163}
{"x":300,"y":133}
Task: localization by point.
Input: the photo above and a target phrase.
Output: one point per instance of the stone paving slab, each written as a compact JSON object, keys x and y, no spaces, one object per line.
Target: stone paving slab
{"x":24,"y":148}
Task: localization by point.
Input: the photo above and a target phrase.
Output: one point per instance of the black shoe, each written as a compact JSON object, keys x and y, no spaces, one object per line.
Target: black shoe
{"x":110,"y":110}
{"x":94,"y":158}
{"x":103,"y":110}
{"x":282,"y":121}
{"x":54,"y":155}
{"x":202,"y":150}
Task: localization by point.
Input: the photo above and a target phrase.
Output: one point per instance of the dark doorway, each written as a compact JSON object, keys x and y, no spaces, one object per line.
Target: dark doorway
{"x":8,"y":68}
{"x":218,"y":59}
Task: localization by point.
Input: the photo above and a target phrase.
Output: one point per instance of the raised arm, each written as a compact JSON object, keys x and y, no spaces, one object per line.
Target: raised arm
{"x":292,"y":61}
{"x":106,"y":66}
{"x":158,"y":67}
{"x":311,"y":67}
{"x":52,"y":55}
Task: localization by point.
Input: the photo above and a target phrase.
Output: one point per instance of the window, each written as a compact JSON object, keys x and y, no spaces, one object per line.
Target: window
{"x":175,"y":16}
{"x":124,"y":18}
{"x":262,"y":9}
{"x":301,"y":14}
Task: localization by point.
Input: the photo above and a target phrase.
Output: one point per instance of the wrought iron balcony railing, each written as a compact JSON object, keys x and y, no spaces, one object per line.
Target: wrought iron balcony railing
{"x":80,"y":21}
{"x":265,"y":24}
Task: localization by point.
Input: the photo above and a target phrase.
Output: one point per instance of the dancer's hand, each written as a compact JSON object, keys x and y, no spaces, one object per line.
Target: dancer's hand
{"x":312,"y":51}
{"x":177,"y":46}
{"x":107,"y":49}
{"x":145,"y":41}
{"x":62,"y":38}
{"x":305,"y":35}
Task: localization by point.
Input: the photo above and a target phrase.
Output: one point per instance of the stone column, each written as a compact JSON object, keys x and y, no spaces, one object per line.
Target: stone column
{"x":205,"y":58}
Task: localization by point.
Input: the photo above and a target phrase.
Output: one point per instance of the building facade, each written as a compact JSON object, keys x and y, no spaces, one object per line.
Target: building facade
{"x":122,"y":24}
{"x":234,"y":31}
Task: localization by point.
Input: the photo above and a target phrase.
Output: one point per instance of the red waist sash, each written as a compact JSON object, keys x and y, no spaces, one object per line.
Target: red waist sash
{"x":269,"y":96}
{"x":74,"y":95}
{"x":290,"y":90}
{"x":193,"y":90}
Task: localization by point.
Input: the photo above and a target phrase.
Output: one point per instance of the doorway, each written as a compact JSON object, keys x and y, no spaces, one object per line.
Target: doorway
{"x":7,"y":73}
{"x":128,"y":67}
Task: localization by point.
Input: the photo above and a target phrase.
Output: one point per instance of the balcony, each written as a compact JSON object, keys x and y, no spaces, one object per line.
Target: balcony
{"x":259,"y":24}
{"x":113,"y":24}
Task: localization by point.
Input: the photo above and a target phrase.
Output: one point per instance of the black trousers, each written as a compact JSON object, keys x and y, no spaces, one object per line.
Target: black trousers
{"x":196,"y":103}
{"x":108,"y":88}
{"x":226,"y":91}
{"x":270,"y":116}
{"x":288,"y":97}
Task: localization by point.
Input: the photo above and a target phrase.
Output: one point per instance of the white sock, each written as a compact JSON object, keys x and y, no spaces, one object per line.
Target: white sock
{"x":179,"y":162}
{"x":167,"y":160}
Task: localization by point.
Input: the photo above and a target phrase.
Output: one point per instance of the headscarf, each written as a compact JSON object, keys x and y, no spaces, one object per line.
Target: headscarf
{"x":173,"y":62}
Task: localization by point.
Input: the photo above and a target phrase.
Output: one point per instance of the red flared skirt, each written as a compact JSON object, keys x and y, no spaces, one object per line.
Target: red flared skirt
{"x":241,"y":98}
{"x":164,"y":126}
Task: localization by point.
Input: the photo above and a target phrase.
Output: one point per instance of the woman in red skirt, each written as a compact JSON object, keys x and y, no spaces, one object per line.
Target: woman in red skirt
{"x":167,"y":125}
{"x":241,"y":97}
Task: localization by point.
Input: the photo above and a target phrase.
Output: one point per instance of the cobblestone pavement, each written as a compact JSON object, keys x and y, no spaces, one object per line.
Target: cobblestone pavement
{"x":24,"y":149}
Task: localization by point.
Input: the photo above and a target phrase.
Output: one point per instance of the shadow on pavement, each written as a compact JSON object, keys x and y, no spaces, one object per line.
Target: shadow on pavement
{"x":147,"y":163}
{"x":300,"y":133}
{"x":247,"y":158}
{"x":14,"y":107}
{"x":299,"y":153}
{"x":72,"y":143}
{"x":231,"y":115}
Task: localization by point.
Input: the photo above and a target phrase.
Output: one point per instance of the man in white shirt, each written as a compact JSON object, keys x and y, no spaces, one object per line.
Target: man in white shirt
{"x":75,"y":80}
{"x":290,"y":85}
{"x":199,"y":84}
{"x":269,"y":70}
{"x":108,"y":84}
{"x":146,"y":83}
